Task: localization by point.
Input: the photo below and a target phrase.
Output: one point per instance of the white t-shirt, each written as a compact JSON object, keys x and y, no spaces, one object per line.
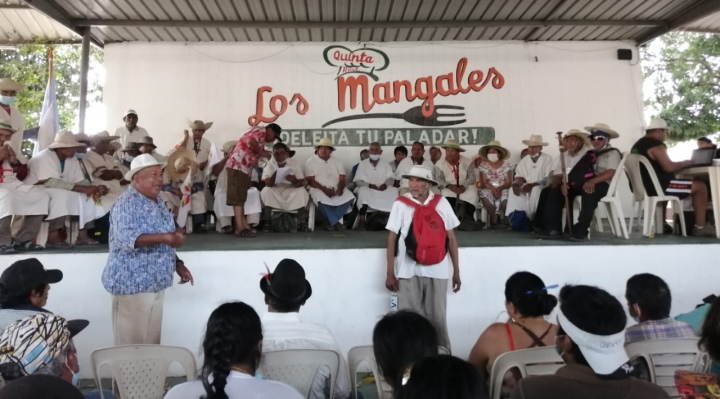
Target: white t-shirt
{"x":326,"y":173}
{"x":399,"y":222}
{"x":239,"y":386}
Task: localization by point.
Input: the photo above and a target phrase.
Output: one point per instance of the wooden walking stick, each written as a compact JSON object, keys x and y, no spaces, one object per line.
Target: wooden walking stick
{"x":568,"y":212}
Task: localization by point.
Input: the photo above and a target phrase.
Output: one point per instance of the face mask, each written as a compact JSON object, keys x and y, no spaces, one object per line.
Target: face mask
{"x":559,"y":352}
{"x":75,"y":376}
{"x":374,"y":157}
{"x":79,"y":155}
{"x":493,"y":157}
{"x":7,"y":100}
{"x":129,"y":158}
{"x":637,"y":319}
{"x":535,"y":156}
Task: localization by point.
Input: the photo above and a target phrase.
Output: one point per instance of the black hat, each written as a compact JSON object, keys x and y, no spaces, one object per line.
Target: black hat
{"x":40,"y":386}
{"x":287,"y":284}
{"x":25,"y":275}
{"x":276,"y":129}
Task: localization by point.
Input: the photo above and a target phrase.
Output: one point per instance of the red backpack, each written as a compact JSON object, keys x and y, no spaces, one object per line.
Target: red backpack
{"x":427,"y":240}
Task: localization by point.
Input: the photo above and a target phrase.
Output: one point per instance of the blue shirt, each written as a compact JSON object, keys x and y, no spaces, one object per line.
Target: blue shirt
{"x":131,"y":270}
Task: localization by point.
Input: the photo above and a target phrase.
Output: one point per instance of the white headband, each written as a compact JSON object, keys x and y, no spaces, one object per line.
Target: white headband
{"x":604,"y":353}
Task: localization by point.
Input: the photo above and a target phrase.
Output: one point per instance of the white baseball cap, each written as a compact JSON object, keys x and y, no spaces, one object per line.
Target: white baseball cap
{"x":657,"y":123}
{"x":141,"y":162}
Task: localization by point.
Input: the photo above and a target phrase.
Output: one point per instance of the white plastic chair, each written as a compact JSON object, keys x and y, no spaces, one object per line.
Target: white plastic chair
{"x":664,"y":357}
{"x":357,"y":356}
{"x":632,"y":167}
{"x":533,"y":361}
{"x":613,"y":204}
{"x":140,"y":370}
{"x":298,"y":368}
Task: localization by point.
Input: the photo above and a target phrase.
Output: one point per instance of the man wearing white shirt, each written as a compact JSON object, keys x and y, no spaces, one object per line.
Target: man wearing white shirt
{"x":130,"y":132}
{"x":417,"y":154}
{"x":286,"y":290}
{"x":374,"y":185}
{"x":422,"y":288}
{"x":287,"y":195}
{"x":8,"y":94}
{"x":531,"y":174}
{"x":326,"y":179}
{"x":201,"y":146}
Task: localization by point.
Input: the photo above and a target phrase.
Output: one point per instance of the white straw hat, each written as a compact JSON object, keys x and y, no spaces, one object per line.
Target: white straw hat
{"x":420,"y":172}
{"x":657,"y":123}
{"x":10,"y":85}
{"x":535,"y":140}
{"x":103,"y":136}
{"x":325,"y":142}
{"x":200,"y":125}
{"x":65,"y":139}
{"x":141,"y":162}
{"x":602,"y":127}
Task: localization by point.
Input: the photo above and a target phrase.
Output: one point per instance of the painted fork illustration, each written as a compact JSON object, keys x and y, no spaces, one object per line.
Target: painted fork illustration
{"x":413,"y":115}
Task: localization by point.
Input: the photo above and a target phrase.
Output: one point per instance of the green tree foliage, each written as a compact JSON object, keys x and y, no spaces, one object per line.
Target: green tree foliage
{"x":28,"y":64}
{"x":685,"y":69}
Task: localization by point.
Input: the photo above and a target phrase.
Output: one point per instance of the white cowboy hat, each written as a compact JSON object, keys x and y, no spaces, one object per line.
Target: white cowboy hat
{"x":197,"y":124}
{"x":178,"y":163}
{"x":228,"y":146}
{"x":103,"y":136}
{"x":496,"y":145}
{"x":657,"y":123}
{"x":325,"y":142}
{"x":535,"y":140}
{"x":420,"y":172}
{"x":10,"y":85}
{"x":130,"y":112}
{"x":585,"y":137}
{"x":601,"y":127}
{"x":454,"y":144}
{"x":141,"y":162}
{"x":65,"y":139}
{"x":6,"y":125}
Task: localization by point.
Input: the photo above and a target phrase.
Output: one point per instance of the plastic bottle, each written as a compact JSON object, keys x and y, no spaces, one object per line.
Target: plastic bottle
{"x":393,"y":302}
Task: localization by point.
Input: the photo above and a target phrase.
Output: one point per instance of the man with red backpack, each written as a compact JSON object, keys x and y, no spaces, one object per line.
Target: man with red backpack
{"x":421,"y":246}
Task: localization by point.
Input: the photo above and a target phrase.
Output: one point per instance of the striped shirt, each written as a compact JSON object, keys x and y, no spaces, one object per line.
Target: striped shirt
{"x":658,"y":329}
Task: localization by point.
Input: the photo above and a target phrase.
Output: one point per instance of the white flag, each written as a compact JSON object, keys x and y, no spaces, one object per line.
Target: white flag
{"x":215,"y":156}
{"x":186,"y":190}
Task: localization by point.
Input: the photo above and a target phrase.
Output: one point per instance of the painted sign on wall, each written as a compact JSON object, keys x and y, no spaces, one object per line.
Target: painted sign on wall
{"x":388,"y":137}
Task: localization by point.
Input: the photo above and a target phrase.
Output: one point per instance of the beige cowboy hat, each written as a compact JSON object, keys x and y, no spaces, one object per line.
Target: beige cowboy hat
{"x":65,"y":139}
{"x":10,"y":85}
{"x":200,"y":125}
{"x":454,"y":144}
{"x":325,"y":142}
{"x":657,"y":123}
{"x":421,"y":172}
{"x":146,"y":140}
{"x":179,"y":162}
{"x":131,"y":146}
{"x":496,"y":145}
{"x":228,"y":146}
{"x":83,"y":138}
{"x":103,"y":136}
{"x":535,"y":140}
{"x":6,"y":125}
{"x":141,"y":162}
{"x":601,"y":127}
{"x":585,"y":137}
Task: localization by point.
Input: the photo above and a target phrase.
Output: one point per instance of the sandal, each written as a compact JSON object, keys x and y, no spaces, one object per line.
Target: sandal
{"x":7,"y":249}
{"x":247,"y":233}
{"x":60,"y":245}
{"x":87,"y":241}
{"x":27,"y":246}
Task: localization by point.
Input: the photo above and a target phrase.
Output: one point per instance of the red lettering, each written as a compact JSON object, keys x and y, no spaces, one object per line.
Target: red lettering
{"x":302,"y":105}
{"x":428,"y":94}
{"x":386,"y":95}
{"x":448,"y":79}
{"x":278,"y":105}
{"x":353,"y":84}
{"x":258,"y":118}
{"x":283,"y":105}
{"x":409,"y":96}
{"x":475,"y":78}
{"x":498,"y":80}
{"x":459,"y":73}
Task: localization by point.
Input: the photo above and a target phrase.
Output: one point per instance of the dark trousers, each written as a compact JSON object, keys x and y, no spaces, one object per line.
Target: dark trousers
{"x":463,"y":210}
{"x":555,"y":206}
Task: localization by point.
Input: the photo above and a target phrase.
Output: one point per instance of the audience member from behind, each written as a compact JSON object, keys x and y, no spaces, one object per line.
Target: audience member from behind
{"x":441,"y":377}
{"x":286,"y":290}
{"x":232,"y":353}
{"x":401,"y":339}
{"x":40,"y":387}
{"x":704,"y":142}
{"x":24,"y":288}
{"x":591,"y":341}
{"x":527,"y":302}
{"x":649,"y":301}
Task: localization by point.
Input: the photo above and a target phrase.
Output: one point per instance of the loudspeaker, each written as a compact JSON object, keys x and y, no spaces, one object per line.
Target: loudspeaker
{"x":625,"y":54}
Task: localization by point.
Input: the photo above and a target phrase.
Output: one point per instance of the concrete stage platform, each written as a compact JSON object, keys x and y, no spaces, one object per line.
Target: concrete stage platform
{"x":347,"y":273}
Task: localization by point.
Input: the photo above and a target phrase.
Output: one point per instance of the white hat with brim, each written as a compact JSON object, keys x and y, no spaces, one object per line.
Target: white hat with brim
{"x":130,"y":112}
{"x":228,"y":146}
{"x":657,"y":123}
{"x":200,"y":125}
{"x":103,"y":136}
{"x":454,"y":144}
{"x":535,"y":140}
{"x":65,"y":139}
{"x":602,"y":128}
{"x":604,"y":353}
{"x":141,"y":162}
{"x":325,"y":142}
{"x":420,"y":172}
{"x":10,"y":85}
{"x":585,"y":137}
{"x":6,"y":125}
{"x":496,"y":145}
{"x":182,"y":157}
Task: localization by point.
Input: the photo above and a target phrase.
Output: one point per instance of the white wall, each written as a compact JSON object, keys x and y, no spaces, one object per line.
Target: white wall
{"x":349,"y":295}
{"x":549,"y":87}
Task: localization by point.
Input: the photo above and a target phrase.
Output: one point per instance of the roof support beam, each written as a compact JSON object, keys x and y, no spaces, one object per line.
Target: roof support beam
{"x":698,"y":12}
{"x":358,"y":24}
{"x":53,"y":12}
{"x":13,"y":7}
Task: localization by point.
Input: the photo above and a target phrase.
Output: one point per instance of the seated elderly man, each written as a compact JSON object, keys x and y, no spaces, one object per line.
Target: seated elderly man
{"x":180,"y":163}
{"x":417,"y":153}
{"x":147,"y":146}
{"x":17,"y":199}
{"x":326,"y":182}
{"x":129,"y":153}
{"x":57,"y":168}
{"x":531,"y":175}
{"x":456,"y":178}
{"x":374,"y":185}
{"x":224,"y":212}
{"x":284,"y":188}
{"x":105,"y":169}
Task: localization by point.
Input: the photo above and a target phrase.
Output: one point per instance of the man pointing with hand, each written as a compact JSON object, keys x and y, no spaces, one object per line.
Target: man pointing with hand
{"x":142,"y":258}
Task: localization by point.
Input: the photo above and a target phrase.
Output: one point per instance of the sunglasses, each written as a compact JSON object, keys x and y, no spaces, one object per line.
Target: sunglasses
{"x":597,"y":138}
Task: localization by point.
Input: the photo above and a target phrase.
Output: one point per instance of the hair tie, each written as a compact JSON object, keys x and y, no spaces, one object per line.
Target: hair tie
{"x":549,"y":287}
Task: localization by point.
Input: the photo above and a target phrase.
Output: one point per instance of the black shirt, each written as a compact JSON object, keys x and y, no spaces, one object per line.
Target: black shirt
{"x":642,"y":147}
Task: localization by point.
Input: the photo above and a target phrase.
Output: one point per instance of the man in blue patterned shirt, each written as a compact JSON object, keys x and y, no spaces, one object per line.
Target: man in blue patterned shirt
{"x":142,"y":256}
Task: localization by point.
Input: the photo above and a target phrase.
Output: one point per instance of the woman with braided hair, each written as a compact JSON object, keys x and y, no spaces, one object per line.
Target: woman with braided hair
{"x":232,"y":349}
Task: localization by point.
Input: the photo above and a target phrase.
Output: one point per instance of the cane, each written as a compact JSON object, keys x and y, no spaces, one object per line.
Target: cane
{"x":568,"y":214}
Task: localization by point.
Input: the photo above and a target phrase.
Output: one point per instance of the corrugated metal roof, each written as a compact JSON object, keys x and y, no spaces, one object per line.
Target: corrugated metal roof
{"x":354,"y":20}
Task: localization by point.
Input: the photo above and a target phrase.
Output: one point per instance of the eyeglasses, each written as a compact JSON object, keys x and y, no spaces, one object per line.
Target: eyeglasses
{"x":597,"y":138}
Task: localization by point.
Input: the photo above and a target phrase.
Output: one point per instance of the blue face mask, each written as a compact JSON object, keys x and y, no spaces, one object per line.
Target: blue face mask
{"x":80,"y":155}
{"x":7,"y":100}
{"x":75,"y":376}
{"x":374,"y":157}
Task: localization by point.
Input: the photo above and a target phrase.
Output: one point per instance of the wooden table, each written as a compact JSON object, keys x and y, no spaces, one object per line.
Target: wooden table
{"x":713,"y":172}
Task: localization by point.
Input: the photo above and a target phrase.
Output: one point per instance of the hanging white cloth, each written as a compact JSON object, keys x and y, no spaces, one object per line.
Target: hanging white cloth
{"x":17,"y":198}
